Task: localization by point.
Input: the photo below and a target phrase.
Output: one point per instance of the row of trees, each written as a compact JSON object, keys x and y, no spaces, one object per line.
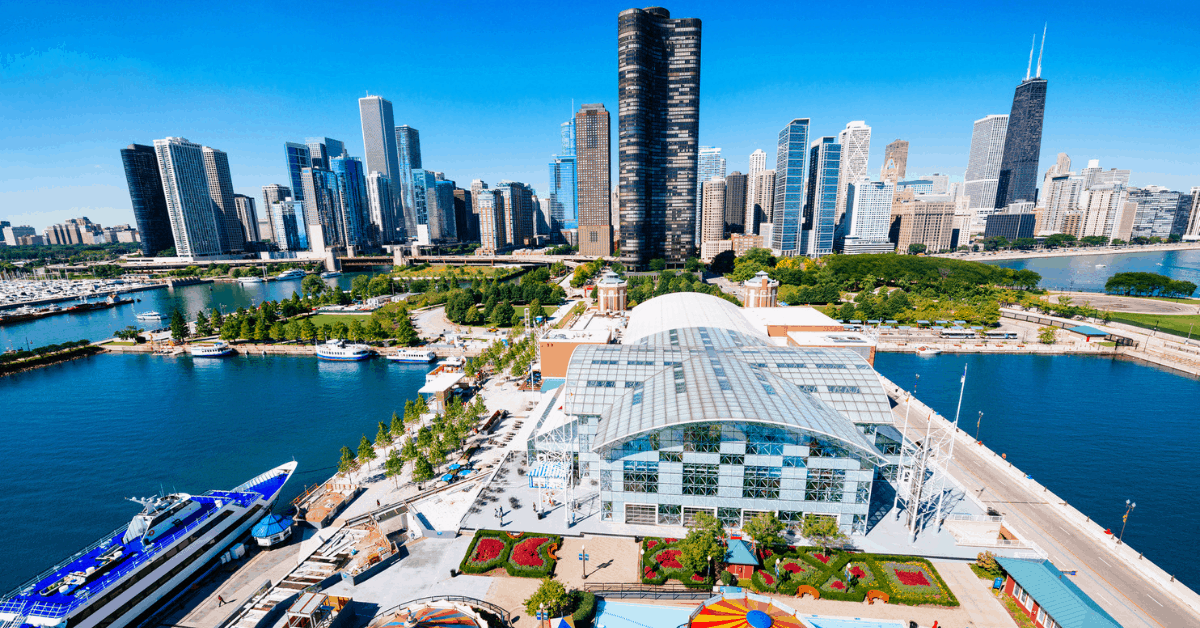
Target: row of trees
{"x":278,"y":321}
{"x":647,"y":287}
{"x":1148,"y":284}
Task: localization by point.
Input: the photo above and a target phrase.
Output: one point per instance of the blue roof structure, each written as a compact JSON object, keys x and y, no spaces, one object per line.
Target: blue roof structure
{"x":270,"y":525}
{"x":738,"y":553}
{"x":1087,"y":330}
{"x":1054,"y":592}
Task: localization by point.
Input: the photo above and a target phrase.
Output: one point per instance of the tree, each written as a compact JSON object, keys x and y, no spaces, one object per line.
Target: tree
{"x":178,"y":326}
{"x":1046,"y":335}
{"x":422,"y":471}
{"x":764,"y":528}
{"x":359,"y":287}
{"x":405,"y":333}
{"x":409,"y":450}
{"x":217,"y":320}
{"x":313,"y":285}
{"x":347,"y":462}
{"x":366,"y":451}
{"x":823,"y":531}
{"x":393,"y":466}
{"x":247,"y":329}
{"x":396,"y":429}
{"x":551,"y":597}
{"x":658,"y":264}
{"x":276,"y":331}
{"x":702,"y":543}
{"x":202,"y":326}
{"x":383,"y":438}
{"x":915,"y":248}
{"x":261,"y":332}
{"x":308,"y":331}
{"x":502,"y":314}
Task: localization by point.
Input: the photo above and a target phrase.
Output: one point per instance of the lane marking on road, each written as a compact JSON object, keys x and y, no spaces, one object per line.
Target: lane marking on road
{"x":1155,"y":601}
{"x":1104,"y":561}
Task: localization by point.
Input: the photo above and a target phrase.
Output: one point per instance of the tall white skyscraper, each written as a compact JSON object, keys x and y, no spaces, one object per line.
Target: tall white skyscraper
{"x":220,"y":190}
{"x":868,"y":216}
{"x":709,"y":164}
{"x":379,"y":143}
{"x":758,"y":163}
{"x":761,"y":206}
{"x":856,"y":146}
{"x":714,"y":210}
{"x":189,"y":206}
{"x":983,"y":167}
{"x":379,"y":198}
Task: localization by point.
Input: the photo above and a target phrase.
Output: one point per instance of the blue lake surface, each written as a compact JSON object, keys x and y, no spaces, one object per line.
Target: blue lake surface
{"x":1095,"y":431}
{"x":101,"y":324}
{"x":81,"y":436}
{"x":1081,"y":273}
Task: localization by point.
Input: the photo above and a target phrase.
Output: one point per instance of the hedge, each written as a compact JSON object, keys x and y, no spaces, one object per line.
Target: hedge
{"x":825,"y":574}
{"x":505,"y":557}
{"x":585,"y":608}
{"x":653,"y":547}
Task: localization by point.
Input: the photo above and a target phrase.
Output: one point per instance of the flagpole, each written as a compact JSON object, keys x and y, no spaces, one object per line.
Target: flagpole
{"x":953,"y":437}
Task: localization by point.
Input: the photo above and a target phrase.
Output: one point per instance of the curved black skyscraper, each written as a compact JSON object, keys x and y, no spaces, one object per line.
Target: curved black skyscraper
{"x":658,"y":86}
{"x":149,"y":201}
{"x":1023,"y":142}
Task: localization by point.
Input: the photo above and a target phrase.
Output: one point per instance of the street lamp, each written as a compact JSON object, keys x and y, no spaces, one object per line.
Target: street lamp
{"x":1129,"y":506}
{"x":977,"y":422}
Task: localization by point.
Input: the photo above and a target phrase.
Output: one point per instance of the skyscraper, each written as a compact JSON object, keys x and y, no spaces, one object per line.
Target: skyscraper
{"x":273,"y":193}
{"x":220,"y":189}
{"x":563,"y":201}
{"x":762,"y":203}
{"x":379,"y":202}
{"x":465,"y":221}
{"x":322,"y":208}
{"x":322,"y":149}
{"x":298,"y":157}
{"x":856,"y":147}
{"x":658,"y":73}
{"x":758,"y":163}
{"x":895,"y":162}
{"x":868,"y":214}
{"x":709,"y":164}
{"x":408,"y":155}
{"x":518,"y":212}
{"x":714,"y":210}
{"x":820,"y":208}
{"x":790,"y":172}
{"x":185,"y":186}
{"x":354,"y":203}
{"x":146,"y":194}
{"x":287,"y":221}
{"x":591,"y":147}
{"x":248,"y":217}
{"x":439,"y":201}
{"x":1023,"y":141}
{"x":735,"y":202}
{"x":379,"y":143}
{"x":983,"y":167}
{"x":490,"y":209}
{"x":421,"y":182}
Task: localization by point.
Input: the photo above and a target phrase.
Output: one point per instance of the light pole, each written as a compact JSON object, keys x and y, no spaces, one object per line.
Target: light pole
{"x":1129,"y":506}
{"x":583,"y":559}
{"x":977,"y":422}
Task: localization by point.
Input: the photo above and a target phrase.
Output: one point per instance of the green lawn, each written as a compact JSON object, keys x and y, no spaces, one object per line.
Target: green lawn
{"x":329,"y":319}
{"x":1188,"y":301}
{"x":464,"y":272}
{"x":1177,"y":324}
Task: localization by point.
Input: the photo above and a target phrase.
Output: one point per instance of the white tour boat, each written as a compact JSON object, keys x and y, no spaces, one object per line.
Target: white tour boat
{"x":214,"y":349}
{"x":340,"y":350}
{"x":421,"y":356}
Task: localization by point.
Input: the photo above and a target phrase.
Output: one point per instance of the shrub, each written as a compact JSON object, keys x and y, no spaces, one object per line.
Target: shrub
{"x":530,"y":556}
{"x":585,"y":608}
{"x":488,"y":550}
{"x":728,"y":579}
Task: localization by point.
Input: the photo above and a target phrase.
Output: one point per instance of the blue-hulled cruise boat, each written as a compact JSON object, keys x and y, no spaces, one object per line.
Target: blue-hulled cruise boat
{"x":119,"y":580}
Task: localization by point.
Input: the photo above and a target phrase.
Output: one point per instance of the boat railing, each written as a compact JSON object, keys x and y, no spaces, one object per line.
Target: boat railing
{"x":28,"y":585}
{"x":258,"y":479}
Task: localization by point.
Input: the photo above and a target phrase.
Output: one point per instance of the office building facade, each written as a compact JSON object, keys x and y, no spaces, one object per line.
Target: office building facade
{"x":1017,"y":180}
{"x":790,"y":172}
{"x":855,"y":141}
{"x":735,"y":202}
{"x":983,"y":166}
{"x":248,"y":217}
{"x":921,"y":222}
{"x":517,"y":201}
{"x":895,"y":162}
{"x":146,"y":194}
{"x":713,"y":216}
{"x":322,"y":208}
{"x":379,"y":142}
{"x":758,"y":163}
{"x":761,"y":203}
{"x":298,"y":158}
{"x":818,"y":228}
{"x":658,"y":70}
{"x":354,"y":204}
{"x":273,"y":193}
{"x":466,"y":222}
{"x":1011,"y":227}
{"x":194,"y":222}
{"x":489,"y":207}
{"x":291,"y":233}
{"x":593,"y":159}
{"x":220,"y":190}
{"x":322,"y":149}
{"x":868,"y":213}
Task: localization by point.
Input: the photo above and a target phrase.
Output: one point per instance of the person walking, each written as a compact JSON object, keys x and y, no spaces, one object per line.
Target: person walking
{"x":220,"y":601}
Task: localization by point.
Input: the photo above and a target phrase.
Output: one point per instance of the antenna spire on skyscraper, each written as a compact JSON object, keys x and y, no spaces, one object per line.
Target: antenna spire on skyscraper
{"x":1029,"y":68}
{"x":1039,"y":70}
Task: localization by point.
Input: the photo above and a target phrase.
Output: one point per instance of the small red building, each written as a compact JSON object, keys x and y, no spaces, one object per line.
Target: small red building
{"x":739,"y":559}
{"x":1049,"y":598}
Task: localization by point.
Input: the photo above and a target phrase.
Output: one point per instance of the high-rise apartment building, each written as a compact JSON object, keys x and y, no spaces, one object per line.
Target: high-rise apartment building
{"x":517,"y":201}
{"x":1095,"y":175}
{"x":1062,"y":165}
{"x":1017,"y":180}
{"x":273,"y":193}
{"x":379,"y":143}
{"x":408,"y":156}
{"x":735,"y":202}
{"x":790,"y":173}
{"x":194,"y":221}
{"x":220,"y":189}
{"x":322,"y":149}
{"x":758,"y":163}
{"x":714,"y":210}
{"x":353,"y":201}
{"x":868,"y":216}
{"x":592,"y":155}
{"x":1062,"y":196}
{"x":298,"y":158}
{"x":440,"y":203}
{"x":709,"y":164}
{"x":489,"y":206}
{"x":322,"y":208}
{"x":895,"y":162}
{"x":422,"y":181}
{"x":1160,"y":212}
{"x":563,"y":201}
{"x":658,"y":73}
{"x":983,"y":167}
{"x":146,"y":194}
{"x":248,"y":216}
{"x":466,"y":223}
{"x":921,"y":222}
{"x":287,"y":218}
{"x":1192,"y":232}
{"x":818,"y":229}
{"x":761,"y":205}
{"x":855,"y":140}
{"x":379,"y":203}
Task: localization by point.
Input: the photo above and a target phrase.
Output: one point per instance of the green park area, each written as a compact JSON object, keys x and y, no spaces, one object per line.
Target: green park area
{"x":330,"y":319}
{"x":1180,"y":324}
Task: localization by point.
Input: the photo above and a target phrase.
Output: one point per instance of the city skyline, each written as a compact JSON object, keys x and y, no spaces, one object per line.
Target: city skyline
{"x":59,"y":165}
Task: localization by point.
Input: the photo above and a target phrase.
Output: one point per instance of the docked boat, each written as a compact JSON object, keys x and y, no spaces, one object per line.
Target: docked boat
{"x":214,"y":349}
{"x":113,"y":300}
{"x":343,"y":351}
{"x":120,"y":580}
{"x":294,"y":273}
{"x":330,"y":274}
{"x":928,"y":351}
{"x":249,"y":280}
{"x":150,"y":316}
{"x":420,"y":356}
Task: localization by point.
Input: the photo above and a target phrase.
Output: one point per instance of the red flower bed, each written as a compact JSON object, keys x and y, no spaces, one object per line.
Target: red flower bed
{"x":486,"y":550}
{"x":837,"y":584}
{"x":669,"y":540}
{"x":650,"y":544}
{"x":670,"y":559}
{"x":912,"y":578}
{"x":857,"y":571}
{"x":821,"y":557}
{"x":793,"y":567}
{"x":525,"y":553}
{"x":767,"y":578}
{"x":650,"y":573}
{"x":697,"y":578}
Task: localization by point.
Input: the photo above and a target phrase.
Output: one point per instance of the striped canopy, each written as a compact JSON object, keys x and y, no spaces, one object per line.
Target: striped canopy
{"x":733,"y":612}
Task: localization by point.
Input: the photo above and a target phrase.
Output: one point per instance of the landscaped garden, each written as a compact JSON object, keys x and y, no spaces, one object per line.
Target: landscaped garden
{"x":661,"y":561}
{"x":850,"y":576}
{"x":520,"y":554}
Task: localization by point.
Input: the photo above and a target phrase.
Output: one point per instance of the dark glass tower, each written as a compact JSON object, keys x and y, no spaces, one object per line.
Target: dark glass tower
{"x":1022,"y":144}
{"x":658,"y":88}
{"x":149,"y":201}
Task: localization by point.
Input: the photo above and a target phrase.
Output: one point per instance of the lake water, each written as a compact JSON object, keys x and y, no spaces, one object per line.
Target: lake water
{"x":1081,"y":273}
{"x":1095,"y":431}
{"x":101,"y":324}
{"x":82,"y":436}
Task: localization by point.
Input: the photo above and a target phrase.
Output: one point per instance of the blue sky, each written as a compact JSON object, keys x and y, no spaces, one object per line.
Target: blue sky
{"x":488,"y":83}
